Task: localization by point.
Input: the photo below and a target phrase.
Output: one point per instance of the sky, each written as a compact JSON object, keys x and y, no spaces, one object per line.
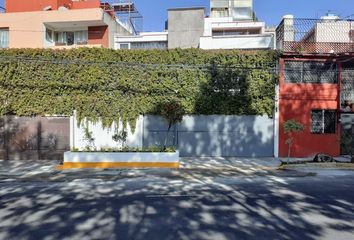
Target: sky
{"x":269,"y":11}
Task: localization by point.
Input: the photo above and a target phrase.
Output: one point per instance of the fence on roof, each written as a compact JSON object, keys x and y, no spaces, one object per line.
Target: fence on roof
{"x":325,"y":35}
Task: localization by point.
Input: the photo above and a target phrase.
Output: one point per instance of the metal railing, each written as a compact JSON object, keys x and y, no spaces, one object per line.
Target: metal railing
{"x":325,"y":35}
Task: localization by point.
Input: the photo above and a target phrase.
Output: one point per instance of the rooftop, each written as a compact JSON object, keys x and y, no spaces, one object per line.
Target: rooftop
{"x":328,"y":34}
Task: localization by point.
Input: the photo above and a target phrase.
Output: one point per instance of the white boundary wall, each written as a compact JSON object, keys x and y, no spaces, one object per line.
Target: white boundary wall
{"x":103,"y":136}
{"x":195,"y":136}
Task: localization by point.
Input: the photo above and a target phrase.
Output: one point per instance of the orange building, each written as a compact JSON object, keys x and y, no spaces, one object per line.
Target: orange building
{"x":58,"y":24}
{"x":316,"y":85}
{"x":310,"y":97}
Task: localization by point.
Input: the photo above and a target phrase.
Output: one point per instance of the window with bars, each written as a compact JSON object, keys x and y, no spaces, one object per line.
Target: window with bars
{"x":323,"y":121}
{"x":310,"y":72}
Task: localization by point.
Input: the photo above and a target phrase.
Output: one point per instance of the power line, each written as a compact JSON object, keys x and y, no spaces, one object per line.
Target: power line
{"x":268,"y":66}
{"x":143,"y":65}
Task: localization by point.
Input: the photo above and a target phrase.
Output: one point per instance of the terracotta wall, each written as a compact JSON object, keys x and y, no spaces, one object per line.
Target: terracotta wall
{"x":38,"y":5}
{"x":296,"y":102}
{"x":86,"y":4}
{"x":98,"y":35}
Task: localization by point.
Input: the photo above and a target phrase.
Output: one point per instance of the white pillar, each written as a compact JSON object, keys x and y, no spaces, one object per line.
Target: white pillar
{"x":276,"y":122}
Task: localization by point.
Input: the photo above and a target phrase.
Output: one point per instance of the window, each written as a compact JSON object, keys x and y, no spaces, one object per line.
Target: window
{"x":124,"y":46}
{"x":233,"y":32}
{"x":71,"y":38}
{"x":219,"y":3}
{"x":219,"y":12}
{"x":148,"y":45}
{"x":49,"y":35}
{"x":323,"y":121}
{"x":310,"y":72}
{"x":242,"y":13}
{"x":81,"y":37}
{"x":4,"y":37}
{"x":60,"y":38}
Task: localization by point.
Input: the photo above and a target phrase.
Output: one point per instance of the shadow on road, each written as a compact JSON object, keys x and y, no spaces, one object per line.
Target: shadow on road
{"x":162,"y":208}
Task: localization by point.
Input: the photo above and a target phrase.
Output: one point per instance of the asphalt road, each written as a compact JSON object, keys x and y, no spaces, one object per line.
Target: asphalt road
{"x":189,"y":207}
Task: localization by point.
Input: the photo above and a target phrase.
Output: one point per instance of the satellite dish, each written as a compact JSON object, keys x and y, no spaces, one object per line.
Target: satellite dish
{"x":62,"y":8}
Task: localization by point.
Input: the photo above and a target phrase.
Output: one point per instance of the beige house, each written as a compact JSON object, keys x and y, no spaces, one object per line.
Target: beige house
{"x":63,"y":27}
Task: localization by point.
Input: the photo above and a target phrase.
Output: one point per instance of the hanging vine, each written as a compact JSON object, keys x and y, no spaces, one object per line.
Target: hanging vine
{"x":120,"y":85}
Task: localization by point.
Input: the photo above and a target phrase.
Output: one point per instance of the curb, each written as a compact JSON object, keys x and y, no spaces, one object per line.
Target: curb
{"x":327,"y":165}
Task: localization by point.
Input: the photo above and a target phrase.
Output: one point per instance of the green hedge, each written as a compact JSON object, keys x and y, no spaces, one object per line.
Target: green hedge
{"x":109,"y":84}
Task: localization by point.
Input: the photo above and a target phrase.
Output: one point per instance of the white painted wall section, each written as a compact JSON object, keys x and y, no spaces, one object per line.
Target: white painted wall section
{"x":103,"y":136}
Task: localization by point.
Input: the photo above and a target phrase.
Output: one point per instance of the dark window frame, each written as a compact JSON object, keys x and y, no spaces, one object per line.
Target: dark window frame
{"x":310,"y":72}
{"x":325,"y":127}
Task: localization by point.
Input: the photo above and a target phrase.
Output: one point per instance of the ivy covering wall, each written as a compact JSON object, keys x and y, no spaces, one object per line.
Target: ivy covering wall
{"x":113,"y":85}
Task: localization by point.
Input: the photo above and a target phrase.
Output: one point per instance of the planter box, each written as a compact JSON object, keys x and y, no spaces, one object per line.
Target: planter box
{"x":120,"y":160}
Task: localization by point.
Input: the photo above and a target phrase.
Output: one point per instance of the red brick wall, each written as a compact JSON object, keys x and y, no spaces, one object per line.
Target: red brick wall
{"x":98,"y":35}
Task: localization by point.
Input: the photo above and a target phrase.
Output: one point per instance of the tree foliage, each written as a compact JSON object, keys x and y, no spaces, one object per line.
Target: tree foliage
{"x":292,"y":126}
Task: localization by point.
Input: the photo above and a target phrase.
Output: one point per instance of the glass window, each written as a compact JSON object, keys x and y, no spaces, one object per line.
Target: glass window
{"x":69,"y":38}
{"x":60,"y":38}
{"x":124,"y":46}
{"x":242,"y":13}
{"x":310,"y":72}
{"x":49,"y":35}
{"x":81,"y":37}
{"x":219,"y":12}
{"x":323,"y":121}
{"x":148,"y":45}
{"x":4,"y":37}
{"x":234,"y":32}
{"x":219,"y":3}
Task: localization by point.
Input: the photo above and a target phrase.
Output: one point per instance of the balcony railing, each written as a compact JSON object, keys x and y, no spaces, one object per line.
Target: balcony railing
{"x":325,"y":35}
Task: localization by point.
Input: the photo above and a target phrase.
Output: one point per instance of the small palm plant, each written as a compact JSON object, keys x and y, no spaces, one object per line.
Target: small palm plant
{"x":291,"y":127}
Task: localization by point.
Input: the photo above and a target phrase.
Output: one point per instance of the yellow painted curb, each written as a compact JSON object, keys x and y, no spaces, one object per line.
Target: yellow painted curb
{"x":79,"y":165}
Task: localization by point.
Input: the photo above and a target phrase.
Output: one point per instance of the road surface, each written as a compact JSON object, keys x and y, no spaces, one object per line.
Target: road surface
{"x":182,"y":206}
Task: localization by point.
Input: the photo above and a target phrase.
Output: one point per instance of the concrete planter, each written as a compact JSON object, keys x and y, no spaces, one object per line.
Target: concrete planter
{"x":120,"y":160}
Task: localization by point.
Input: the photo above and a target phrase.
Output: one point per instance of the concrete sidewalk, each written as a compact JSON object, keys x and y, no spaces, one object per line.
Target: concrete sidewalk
{"x":27,"y":167}
{"x":18,"y":167}
{"x":229,"y":163}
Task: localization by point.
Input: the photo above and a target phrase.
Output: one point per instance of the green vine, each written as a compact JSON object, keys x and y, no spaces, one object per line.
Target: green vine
{"x":96,"y":83}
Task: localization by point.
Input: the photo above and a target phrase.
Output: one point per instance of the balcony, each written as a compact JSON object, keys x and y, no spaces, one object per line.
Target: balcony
{"x":246,"y":42}
{"x":326,"y":35}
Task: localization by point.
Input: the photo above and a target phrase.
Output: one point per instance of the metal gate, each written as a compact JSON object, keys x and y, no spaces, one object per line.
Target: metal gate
{"x":214,"y":135}
{"x":34,"y":138}
{"x":347,"y":135}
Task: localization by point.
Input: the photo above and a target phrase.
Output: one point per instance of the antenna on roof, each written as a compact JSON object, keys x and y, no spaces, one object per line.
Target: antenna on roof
{"x":127,"y":12}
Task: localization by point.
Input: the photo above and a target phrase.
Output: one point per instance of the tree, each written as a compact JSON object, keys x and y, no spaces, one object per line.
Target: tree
{"x":291,"y":127}
{"x":173,"y":113}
